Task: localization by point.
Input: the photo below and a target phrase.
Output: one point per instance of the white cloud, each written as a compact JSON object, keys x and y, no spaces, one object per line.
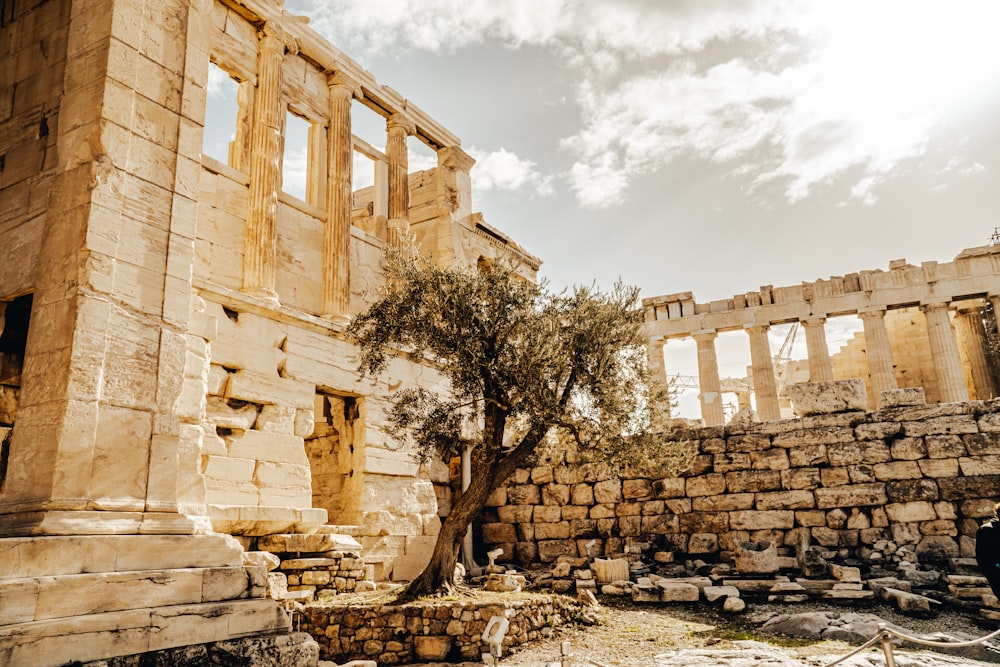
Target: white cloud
{"x":220,"y":84}
{"x":293,"y":172}
{"x":504,"y":170}
{"x":793,"y":97}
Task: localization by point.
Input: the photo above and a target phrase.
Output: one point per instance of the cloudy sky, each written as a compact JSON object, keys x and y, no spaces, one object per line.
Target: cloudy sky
{"x":712,"y":147}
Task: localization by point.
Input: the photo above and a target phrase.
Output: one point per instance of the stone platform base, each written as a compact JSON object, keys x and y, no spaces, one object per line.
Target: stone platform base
{"x":82,"y":598}
{"x":292,"y":650}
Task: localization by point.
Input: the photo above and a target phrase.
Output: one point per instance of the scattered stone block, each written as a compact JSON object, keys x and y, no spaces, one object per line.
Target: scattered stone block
{"x":716,"y":593}
{"x":734,"y":606}
{"x":678,"y":592}
{"x":608,"y":570}
{"x":848,"y":595}
{"x":845,"y":574}
{"x":645,"y":594}
{"x":908,"y":603}
{"x":756,"y":557}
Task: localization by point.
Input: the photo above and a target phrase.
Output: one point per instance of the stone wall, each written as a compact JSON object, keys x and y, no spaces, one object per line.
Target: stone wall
{"x":427,"y":632}
{"x":877,"y":486}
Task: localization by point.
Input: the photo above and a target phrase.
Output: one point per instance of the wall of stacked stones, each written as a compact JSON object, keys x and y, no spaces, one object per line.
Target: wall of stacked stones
{"x":863,"y":485}
{"x":420,"y":632}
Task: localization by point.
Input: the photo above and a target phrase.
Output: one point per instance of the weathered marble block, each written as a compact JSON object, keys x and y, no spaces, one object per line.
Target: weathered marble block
{"x":894,"y":398}
{"x":823,"y":398}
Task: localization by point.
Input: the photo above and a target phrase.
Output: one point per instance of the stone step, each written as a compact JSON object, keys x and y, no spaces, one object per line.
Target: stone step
{"x":40,"y":556}
{"x":288,"y":543}
{"x":353,"y":531}
{"x":61,"y":641}
{"x":45,"y":598}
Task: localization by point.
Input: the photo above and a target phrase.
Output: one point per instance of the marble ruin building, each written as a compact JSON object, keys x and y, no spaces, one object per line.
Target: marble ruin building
{"x":923,"y":327}
{"x":179,"y":403}
{"x":175,"y":382}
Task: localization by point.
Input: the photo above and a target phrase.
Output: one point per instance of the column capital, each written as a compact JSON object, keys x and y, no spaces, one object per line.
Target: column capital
{"x":344,"y":85}
{"x":401,"y":120}
{"x":274,"y":38}
{"x":933,"y":305}
{"x":874,"y":311}
{"x":454,"y":157}
{"x":816,"y":321}
{"x":705,"y":334}
{"x":756,"y":326}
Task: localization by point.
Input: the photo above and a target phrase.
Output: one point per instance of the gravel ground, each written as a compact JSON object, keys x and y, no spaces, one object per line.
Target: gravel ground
{"x":700,"y":636}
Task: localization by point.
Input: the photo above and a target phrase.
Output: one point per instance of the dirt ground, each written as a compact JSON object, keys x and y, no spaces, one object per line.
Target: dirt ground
{"x":631,"y":635}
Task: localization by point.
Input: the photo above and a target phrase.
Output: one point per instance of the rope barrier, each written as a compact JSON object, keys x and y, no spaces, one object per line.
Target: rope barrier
{"x":853,"y":653}
{"x":885,"y":634}
{"x":942,"y":644}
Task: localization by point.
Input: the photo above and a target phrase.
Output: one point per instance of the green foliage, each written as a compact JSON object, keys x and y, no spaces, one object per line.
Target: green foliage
{"x":522,"y":361}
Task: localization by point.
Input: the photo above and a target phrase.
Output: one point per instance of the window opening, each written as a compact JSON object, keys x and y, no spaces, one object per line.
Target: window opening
{"x":295,"y":157}
{"x":221,"y":115}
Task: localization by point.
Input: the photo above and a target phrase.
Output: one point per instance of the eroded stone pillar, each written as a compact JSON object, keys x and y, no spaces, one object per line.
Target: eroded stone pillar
{"x":657,"y":368}
{"x":972,"y":337}
{"x":709,"y":385}
{"x":764,"y":386}
{"x":878,"y":353}
{"x":398,"y":127}
{"x":259,"y":247}
{"x":944,"y":353}
{"x":340,"y":178}
{"x":820,"y":366}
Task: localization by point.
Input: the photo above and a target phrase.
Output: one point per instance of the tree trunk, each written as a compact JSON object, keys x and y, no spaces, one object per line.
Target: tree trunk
{"x":486,"y":476}
{"x":440,"y":571}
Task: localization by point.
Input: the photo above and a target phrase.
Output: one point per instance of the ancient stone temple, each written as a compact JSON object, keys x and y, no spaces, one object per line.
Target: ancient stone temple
{"x":923,"y":327}
{"x":175,"y":382}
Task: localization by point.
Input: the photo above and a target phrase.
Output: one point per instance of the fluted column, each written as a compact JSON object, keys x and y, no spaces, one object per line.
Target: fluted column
{"x":398,"y":127}
{"x":972,"y":338}
{"x":764,"y":386}
{"x":709,"y":385}
{"x":340,"y":178}
{"x":656,"y":367}
{"x":944,"y":353}
{"x":265,"y":168}
{"x":820,"y":366}
{"x":878,"y":353}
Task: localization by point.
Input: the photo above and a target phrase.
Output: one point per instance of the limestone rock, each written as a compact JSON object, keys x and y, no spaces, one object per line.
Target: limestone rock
{"x":893,"y":398}
{"x":822,"y":398}
{"x":431,"y":647}
{"x":756,"y":557}
{"x":609,"y":570}
{"x":268,"y":560}
{"x":734,"y":605}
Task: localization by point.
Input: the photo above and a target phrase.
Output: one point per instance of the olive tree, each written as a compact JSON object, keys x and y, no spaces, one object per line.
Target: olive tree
{"x":526,"y":366}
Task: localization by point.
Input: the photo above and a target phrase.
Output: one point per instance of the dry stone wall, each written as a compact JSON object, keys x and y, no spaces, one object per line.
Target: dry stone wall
{"x":897,"y":484}
{"x":428,"y":632}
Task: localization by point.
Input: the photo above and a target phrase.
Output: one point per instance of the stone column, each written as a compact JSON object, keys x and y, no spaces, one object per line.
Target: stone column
{"x":657,"y":368}
{"x":709,"y":385}
{"x":879,"y":355}
{"x":764,"y":386}
{"x":820,"y":366}
{"x":944,"y":353}
{"x":339,"y":200}
{"x":972,"y":337}
{"x":259,"y":246}
{"x":454,"y":202}
{"x":398,"y":127}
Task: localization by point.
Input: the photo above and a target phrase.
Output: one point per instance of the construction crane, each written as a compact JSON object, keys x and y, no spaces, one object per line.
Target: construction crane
{"x":783,"y":360}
